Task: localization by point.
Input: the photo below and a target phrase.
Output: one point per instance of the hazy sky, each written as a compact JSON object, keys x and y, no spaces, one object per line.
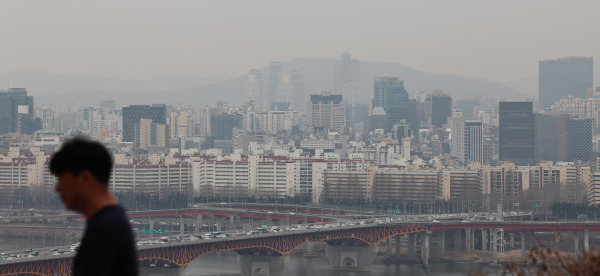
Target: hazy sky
{"x":496,"y":40}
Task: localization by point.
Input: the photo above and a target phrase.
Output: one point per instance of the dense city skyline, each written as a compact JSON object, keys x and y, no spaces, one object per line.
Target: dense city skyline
{"x":357,"y":131}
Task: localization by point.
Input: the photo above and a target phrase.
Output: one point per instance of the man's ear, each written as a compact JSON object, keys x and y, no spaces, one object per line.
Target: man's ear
{"x":86,"y":177}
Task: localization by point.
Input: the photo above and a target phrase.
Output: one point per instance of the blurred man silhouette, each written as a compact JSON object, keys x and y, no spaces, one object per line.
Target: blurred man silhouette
{"x":83,"y":169}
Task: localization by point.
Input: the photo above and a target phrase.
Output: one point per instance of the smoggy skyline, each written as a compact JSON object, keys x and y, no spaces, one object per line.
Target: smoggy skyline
{"x":501,"y":41}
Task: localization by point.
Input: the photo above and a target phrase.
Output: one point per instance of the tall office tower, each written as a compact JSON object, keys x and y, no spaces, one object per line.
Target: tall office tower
{"x":254,"y":89}
{"x":545,"y":142}
{"x":580,"y":147}
{"x":290,"y":92}
{"x":108,"y":106}
{"x":561,"y":77}
{"x":298,"y":99}
{"x":327,"y":112}
{"x":134,"y":113}
{"x":275,"y":69}
{"x":347,"y":78}
{"x":378,"y":119}
{"x":393,"y":97}
{"x":16,"y":111}
{"x":516,"y":127}
{"x":285,"y":90}
{"x":438,"y":107}
{"x":466,"y":140}
{"x":358,"y":117}
{"x":222,"y":125}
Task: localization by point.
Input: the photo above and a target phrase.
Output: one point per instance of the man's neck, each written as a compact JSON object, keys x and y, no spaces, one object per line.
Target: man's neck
{"x":102,"y":200}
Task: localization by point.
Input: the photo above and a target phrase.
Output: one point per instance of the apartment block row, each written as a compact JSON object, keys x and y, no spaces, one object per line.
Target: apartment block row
{"x":392,"y":184}
{"x":318,"y":178}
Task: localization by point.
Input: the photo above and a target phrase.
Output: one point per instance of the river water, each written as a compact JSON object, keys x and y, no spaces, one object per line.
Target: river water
{"x":226,"y":264}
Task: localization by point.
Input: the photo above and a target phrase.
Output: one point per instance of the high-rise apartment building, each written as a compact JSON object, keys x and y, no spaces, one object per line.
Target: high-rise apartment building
{"x":561,"y":77}
{"x":275,"y":120}
{"x":393,"y":97}
{"x":467,"y":140}
{"x":290,"y":92}
{"x":516,"y":127}
{"x":327,"y":111}
{"x":149,"y":134}
{"x":275,"y":69}
{"x":134,"y":113}
{"x":50,"y":120}
{"x":254,"y":89}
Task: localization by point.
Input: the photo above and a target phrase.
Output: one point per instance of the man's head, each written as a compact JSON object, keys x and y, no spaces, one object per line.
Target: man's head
{"x":82,"y":167}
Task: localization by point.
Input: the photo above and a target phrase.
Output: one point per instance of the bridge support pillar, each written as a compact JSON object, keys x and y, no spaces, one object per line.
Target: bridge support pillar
{"x":557,"y":240}
{"x":412,"y":243}
{"x":398,"y":246}
{"x":151,"y":223}
{"x":511,"y":243}
{"x":576,"y":242}
{"x":441,"y":242}
{"x":309,"y":250}
{"x":457,"y":239}
{"x":350,"y":257}
{"x":523,"y":245}
{"x":388,"y":248}
{"x":218,"y":225}
{"x":425,"y":246}
{"x":181,"y":226}
{"x":495,"y":245}
{"x":586,"y":240}
{"x":484,"y":240}
{"x":255,"y":265}
{"x":232,"y":222}
{"x":163,"y":271}
{"x":468,"y":240}
{"x":472,"y":238}
{"x":198,"y":224}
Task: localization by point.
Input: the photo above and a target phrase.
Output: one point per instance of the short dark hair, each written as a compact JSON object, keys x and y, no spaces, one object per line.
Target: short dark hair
{"x":79,"y":154}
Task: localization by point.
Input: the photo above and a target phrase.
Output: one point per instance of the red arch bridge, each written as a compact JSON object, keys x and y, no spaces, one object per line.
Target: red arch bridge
{"x":180,"y":254}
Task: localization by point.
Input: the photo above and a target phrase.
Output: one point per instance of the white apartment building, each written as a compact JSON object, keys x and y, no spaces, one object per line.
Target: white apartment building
{"x":155,"y":179}
{"x":275,"y":120}
{"x":272,"y":179}
{"x":223,"y":178}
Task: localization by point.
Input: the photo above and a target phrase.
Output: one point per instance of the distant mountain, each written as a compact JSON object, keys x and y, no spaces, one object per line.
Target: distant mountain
{"x":318,"y":75}
{"x":528,"y":87}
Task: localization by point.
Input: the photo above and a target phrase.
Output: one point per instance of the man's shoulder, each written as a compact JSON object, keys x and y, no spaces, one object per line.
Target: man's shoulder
{"x":110,"y":216}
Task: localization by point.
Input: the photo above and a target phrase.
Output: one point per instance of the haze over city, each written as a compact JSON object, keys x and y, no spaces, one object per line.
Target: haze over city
{"x":498,"y":41}
{"x":300,"y":138}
